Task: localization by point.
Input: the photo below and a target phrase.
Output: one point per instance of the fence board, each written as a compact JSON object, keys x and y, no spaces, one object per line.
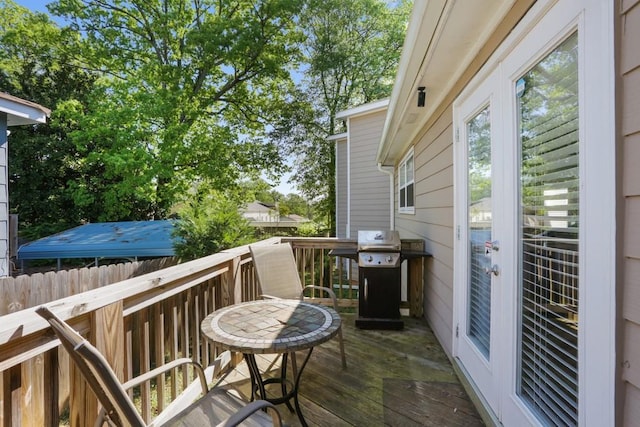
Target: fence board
{"x":25,"y":291}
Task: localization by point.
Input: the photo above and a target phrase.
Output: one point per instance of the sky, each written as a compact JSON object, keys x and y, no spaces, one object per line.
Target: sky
{"x":40,"y":6}
{"x":36,"y":5}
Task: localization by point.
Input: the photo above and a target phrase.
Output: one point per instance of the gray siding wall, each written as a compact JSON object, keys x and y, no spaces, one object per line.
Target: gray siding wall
{"x":370,"y":188}
{"x":341,"y":188}
{"x":629,"y":277}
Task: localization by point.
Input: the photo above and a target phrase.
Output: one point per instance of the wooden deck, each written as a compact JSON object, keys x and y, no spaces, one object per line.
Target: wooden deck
{"x":394,"y":378}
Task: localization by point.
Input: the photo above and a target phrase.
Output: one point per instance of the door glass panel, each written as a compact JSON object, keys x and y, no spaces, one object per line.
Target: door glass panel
{"x":549,"y":191}
{"x":479,"y":219}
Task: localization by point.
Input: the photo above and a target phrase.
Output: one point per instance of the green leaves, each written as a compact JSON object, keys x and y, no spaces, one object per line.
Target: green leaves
{"x":153,"y":97}
{"x":351,"y":51}
{"x":210,"y":222}
{"x":185,"y":94}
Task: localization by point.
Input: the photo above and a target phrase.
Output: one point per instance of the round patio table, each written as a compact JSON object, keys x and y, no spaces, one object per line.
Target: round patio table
{"x":272,"y":326}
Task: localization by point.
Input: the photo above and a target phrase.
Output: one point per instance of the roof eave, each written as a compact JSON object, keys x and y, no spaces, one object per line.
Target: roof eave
{"x":367,"y":108}
{"x":22,"y":112}
{"x":442,"y":39}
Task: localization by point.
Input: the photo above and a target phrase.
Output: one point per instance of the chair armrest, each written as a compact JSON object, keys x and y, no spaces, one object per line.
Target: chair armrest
{"x":249,"y":410}
{"x":265,"y":296}
{"x":322,"y":288}
{"x":166,"y":367}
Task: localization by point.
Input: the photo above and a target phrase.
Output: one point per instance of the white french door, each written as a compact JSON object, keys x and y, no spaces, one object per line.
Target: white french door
{"x":479,"y":197}
{"x":533,"y":242}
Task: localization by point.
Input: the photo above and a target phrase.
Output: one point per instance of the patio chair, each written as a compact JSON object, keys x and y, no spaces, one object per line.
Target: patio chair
{"x":215,"y":407}
{"x":278,"y":277}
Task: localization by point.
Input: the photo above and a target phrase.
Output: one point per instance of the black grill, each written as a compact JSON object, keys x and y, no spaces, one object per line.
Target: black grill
{"x":379,"y":274}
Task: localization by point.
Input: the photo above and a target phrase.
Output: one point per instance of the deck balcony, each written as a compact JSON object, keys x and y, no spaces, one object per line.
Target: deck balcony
{"x":393,"y":377}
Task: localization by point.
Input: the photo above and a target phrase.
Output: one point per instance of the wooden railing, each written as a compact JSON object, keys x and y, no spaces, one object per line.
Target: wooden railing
{"x":141,"y":322}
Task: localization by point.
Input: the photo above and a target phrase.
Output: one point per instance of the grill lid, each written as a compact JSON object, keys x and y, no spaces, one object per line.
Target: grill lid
{"x":378,"y":240}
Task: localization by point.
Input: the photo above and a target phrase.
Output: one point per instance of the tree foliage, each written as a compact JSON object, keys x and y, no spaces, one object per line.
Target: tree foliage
{"x":38,"y":65}
{"x":210,"y":222}
{"x":187,"y":89}
{"x":150,"y":97}
{"x":351,"y":54}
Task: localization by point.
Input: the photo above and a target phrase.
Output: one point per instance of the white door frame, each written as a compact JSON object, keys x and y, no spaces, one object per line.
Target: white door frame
{"x":477,"y":366}
{"x":547,"y":22}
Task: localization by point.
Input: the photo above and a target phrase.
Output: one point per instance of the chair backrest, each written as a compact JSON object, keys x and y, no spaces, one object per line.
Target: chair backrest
{"x":96,"y":371}
{"x":276,"y":269}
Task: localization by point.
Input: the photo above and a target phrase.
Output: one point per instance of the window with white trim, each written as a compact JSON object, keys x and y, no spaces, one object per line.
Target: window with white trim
{"x":406,"y":185}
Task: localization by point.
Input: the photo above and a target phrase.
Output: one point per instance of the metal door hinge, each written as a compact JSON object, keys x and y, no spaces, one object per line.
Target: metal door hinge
{"x":457,"y":134}
{"x":458,"y":232}
{"x":457,"y":330}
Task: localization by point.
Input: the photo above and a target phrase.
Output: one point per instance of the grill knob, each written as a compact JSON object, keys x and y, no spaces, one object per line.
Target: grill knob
{"x":389,"y":259}
{"x":370,"y":258}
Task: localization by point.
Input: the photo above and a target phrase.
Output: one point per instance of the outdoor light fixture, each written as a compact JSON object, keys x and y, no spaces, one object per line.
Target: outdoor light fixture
{"x":421,"y":96}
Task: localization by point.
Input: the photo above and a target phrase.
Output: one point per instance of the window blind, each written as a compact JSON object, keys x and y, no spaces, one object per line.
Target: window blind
{"x":549,"y":192}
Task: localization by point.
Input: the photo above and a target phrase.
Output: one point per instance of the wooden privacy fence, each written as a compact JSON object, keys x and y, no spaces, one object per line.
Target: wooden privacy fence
{"x":17,"y":293}
{"x":139,"y":323}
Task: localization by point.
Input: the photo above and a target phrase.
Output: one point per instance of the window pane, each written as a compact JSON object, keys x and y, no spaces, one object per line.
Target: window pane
{"x":410,"y":195}
{"x":549,"y":193}
{"x":480,"y":230}
{"x":410,"y":169}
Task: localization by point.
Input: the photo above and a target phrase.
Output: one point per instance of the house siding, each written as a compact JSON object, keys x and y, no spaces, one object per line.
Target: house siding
{"x":341,"y":188}
{"x":434,"y":208}
{"x":629,"y":277}
{"x":434,"y":203}
{"x":433,"y":222}
{"x":4,"y":205}
{"x":370,"y":192}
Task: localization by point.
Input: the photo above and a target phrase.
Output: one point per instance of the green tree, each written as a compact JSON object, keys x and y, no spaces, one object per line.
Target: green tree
{"x":187,"y":89}
{"x":351,"y":53}
{"x":296,"y":204}
{"x":38,"y":66}
{"x":210,"y":222}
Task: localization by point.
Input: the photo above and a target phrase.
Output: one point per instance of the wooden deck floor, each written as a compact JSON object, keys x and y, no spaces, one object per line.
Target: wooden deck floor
{"x":394,"y":378}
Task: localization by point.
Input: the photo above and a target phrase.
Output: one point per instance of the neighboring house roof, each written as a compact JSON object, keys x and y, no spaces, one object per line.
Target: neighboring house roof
{"x":298,"y":218}
{"x":363,"y":109}
{"x":262,"y":214}
{"x":105,"y":240}
{"x":22,"y":112}
{"x":259,"y":207}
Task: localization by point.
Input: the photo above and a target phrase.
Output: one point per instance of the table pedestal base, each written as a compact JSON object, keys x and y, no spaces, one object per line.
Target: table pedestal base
{"x":258,"y":384}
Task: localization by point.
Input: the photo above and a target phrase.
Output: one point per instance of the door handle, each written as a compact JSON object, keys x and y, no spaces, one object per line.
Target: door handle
{"x":494,"y":269}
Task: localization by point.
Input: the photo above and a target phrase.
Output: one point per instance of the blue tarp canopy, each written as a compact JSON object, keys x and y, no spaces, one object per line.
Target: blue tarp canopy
{"x":130,"y":239}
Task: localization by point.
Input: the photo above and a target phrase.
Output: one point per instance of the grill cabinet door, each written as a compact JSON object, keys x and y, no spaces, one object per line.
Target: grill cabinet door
{"x":379,"y":295}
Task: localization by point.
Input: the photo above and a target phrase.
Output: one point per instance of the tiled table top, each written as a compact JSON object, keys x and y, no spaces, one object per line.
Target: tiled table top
{"x":271,"y":326}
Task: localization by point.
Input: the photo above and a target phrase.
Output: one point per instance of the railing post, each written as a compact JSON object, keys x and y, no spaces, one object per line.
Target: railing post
{"x":51,"y":388}
{"x":415,"y":279}
{"x":232,"y":291}
{"x":416,"y":287}
{"x":32,"y":387}
{"x":11,"y":397}
{"x":107,"y":334}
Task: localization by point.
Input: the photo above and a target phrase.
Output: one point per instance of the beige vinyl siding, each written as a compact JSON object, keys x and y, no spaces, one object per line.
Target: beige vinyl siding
{"x":4,"y":212}
{"x":433,"y":222}
{"x":629,"y":27}
{"x":433,"y":218}
{"x":341,"y":188}
{"x":370,"y":188}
